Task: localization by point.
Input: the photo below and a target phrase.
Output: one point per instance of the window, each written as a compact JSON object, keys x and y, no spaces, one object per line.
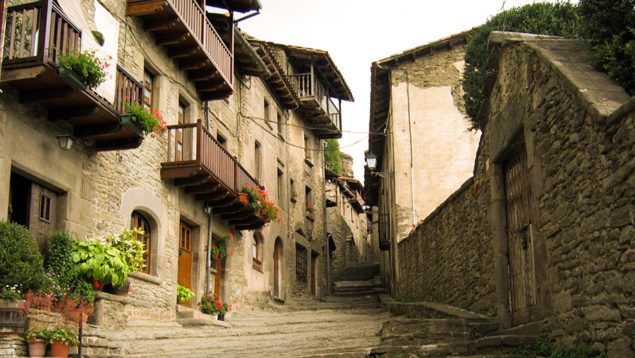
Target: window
{"x":45,"y":208}
{"x":256,"y":251}
{"x":307,"y":148}
{"x":257,"y":160}
{"x":293,"y":195}
{"x":267,"y":114}
{"x":140,"y":221}
{"x":308,"y":198}
{"x":148,"y":90}
{"x":182,"y":112}
{"x":221,"y":140}
{"x":281,"y":195}
{"x":300,"y":263}
{"x":279,"y":121}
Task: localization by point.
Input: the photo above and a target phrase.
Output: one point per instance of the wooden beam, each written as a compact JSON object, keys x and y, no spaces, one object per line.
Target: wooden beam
{"x":212,"y":197}
{"x":249,"y":227}
{"x":160,"y":25}
{"x":73,"y":112}
{"x":174,"y":38}
{"x":45,"y":94}
{"x":193,"y":181}
{"x":183,"y":52}
{"x":145,"y":8}
{"x":180,"y":172}
{"x":202,"y":189}
{"x":211,"y":85}
{"x":95,"y":130}
{"x":195,"y":63}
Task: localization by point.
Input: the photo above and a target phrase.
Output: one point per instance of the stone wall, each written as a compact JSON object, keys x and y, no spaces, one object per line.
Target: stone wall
{"x":578,"y":131}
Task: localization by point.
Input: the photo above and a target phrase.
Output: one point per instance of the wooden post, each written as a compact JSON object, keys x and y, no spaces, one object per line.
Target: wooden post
{"x":45,"y":29}
{"x":199,"y":138}
{"x":312,"y":80}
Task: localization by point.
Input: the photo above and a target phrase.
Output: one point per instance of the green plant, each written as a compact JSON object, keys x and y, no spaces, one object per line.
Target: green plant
{"x":218,"y":250}
{"x":99,"y":37}
{"x":89,"y":68}
{"x":41,"y":333}
{"x":183,"y":294}
{"x":100,"y":262}
{"x":560,"y":19}
{"x":543,"y":347}
{"x":131,"y":248}
{"x":146,"y":120}
{"x":65,"y":335}
{"x":610,"y":27}
{"x":332,"y":156}
{"x":261,"y":203}
{"x":20,"y":260}
{"x":211,"y":305}
{"x":64,"y":272}
{"x":11,"y":293}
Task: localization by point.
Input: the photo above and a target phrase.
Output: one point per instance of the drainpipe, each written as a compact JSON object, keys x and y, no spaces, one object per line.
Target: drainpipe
{"x":208,"y":262}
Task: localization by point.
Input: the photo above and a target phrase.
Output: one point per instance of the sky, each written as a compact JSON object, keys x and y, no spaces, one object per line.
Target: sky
{"x":359,"y":32}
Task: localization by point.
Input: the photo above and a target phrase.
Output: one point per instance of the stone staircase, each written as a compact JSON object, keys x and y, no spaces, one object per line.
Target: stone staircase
{"x":436,"y":330}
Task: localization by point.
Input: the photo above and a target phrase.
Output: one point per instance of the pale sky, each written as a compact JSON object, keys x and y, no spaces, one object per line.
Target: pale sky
{"x":359,"y":32}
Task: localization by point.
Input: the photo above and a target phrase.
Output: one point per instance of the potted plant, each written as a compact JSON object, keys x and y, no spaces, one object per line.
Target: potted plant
{"x":261,"y":204}
{"x":132,"y":251}
{"x":183,"y":294}
{"x":213,"y":306}
{"x":100,"y":263}
{"x":37,"y":339}
{"x":61,"y":340}
{"x":83,"y":69}
{"x":142,"y":120}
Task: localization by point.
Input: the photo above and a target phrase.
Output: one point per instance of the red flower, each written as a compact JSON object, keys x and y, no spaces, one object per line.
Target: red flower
{"x":97,"y":284}
{"x":231,"y":234}
{"x":215,"y":256}
{"x":199,"y":303}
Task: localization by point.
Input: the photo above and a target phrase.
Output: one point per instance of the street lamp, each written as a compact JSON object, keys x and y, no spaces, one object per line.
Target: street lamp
{"x":65,"y":141}
{"x":371,"y":161}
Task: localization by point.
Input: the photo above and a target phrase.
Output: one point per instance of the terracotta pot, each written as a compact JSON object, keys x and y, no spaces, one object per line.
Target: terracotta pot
{"x":37,"y":347}
{"x":60,"y":349}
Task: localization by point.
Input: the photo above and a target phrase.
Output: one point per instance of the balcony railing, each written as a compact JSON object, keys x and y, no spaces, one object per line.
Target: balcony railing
{"x":183,"y":28}
{"x":128,"y":90}
{"x":309,"y":88}
{"x":192,"y":144}
{"x":26,"y":45}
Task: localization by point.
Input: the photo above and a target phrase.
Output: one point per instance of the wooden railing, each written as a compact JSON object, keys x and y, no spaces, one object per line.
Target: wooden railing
{"x":26,"y":44}
{"x":193,"y":16}
{"x":308,"y":86}
{"x":192,"y":144}
{"x":127,"y":90}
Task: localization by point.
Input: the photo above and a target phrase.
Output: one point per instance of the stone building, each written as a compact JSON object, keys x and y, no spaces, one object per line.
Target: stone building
{"x":239,"y":111}
{"x":419,"y":136}
{"x":347,"y":224}
{"x":542,"y":235}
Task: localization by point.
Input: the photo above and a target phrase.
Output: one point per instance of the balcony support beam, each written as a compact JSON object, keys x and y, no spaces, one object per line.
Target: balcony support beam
{"x":73,"y":112}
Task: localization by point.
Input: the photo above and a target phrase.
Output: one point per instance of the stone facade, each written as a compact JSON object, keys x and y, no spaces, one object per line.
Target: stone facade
{"x":97,"y":192}
{"x":347,"y":224}
{"x":423,"y":147}
{"x":576,"y":129}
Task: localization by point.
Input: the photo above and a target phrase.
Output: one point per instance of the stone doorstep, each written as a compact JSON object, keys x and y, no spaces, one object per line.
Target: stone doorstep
{"x":354,"y":283}
{"x":187,"y":317}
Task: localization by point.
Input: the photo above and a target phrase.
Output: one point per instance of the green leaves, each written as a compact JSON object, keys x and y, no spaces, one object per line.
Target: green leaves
{"x":100,"y":262}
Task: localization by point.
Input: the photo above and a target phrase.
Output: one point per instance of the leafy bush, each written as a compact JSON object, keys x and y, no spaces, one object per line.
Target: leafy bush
{"x":88,"y":67}
{"x":20,"y":260}
{"x":183,"y":294}
{"x":610,"y":27}
{"x":64,"y":335}
{"x":63,"y":271}
{"x":100,"y":262}
{"x":41,"y":333}
{"x":145,"y":119}
{"x":11,"y":293}
{"x":332,"y":156}
{"x":559,"y":19}
{"x":131,"y":248}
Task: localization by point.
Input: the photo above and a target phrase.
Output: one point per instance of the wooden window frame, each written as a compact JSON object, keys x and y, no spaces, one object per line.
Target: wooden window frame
{"x":301,"y":263}
{"x":151,"y":89}
{"x":139,"y":220}
{"x":256,"y":257}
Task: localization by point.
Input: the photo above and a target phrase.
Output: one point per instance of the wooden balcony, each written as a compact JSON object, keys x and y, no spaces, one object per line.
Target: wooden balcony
{"x":317,"y":106}
{"x":198,"y":163}
{"x":182,"y":27}
{"x":30,"y":66}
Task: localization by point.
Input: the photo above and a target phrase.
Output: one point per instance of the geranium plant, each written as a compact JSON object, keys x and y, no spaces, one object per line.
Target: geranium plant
{"x":261,"y":203}
{"x":211,"y":305}
{"x":218,"y":250}
{"x":149,"y":122}
{"x":90,"y":69}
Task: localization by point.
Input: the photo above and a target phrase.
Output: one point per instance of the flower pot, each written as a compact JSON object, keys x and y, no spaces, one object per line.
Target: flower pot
{"x":243,"y":198}
{"x":221,"y":316}
{"x":120,"y":291}
{"x":60,"y":349}
{"x":129,"y":122}
{"x":71,"y":78}
{"x":37,"y":347}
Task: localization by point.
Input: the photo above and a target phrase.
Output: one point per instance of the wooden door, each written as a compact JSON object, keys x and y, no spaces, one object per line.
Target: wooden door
{"x":185,"y":256}
{"x":216,"y":275}
{"x":313,"y":274}
{"x":277,"y":264}
{"x":522,"y":271}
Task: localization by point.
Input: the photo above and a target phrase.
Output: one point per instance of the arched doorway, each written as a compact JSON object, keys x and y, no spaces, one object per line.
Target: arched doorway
{"x":277,"y":268}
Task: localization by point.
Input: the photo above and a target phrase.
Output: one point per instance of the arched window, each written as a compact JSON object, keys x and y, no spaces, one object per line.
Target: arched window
{"x":256,"y":251}
{"x":140,"y":221}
